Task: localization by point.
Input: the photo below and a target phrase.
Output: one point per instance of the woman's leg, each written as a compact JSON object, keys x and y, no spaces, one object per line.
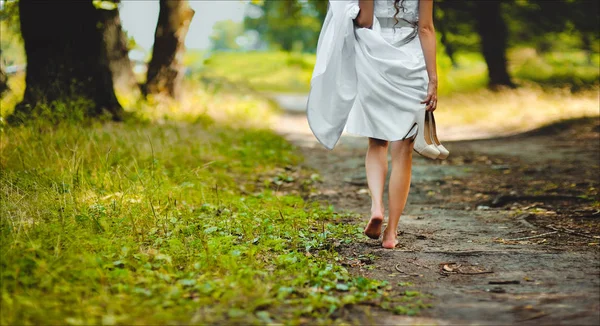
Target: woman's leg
{"x":398,"y":187}
{"x":376,"y":165}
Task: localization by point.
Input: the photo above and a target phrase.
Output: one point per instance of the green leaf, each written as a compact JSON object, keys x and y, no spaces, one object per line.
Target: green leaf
{"x":211,"y":230}
{"x":342,"y":287}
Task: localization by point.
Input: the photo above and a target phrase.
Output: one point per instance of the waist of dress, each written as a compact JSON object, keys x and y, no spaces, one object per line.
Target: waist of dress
{"x":389,"y":22}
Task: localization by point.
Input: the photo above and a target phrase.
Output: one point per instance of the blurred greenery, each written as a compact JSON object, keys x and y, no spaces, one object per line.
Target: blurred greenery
{"x":291,"y":72}
{"x":285,"y":25}
{"x":264,"y":71}
{"x":225,"y":36}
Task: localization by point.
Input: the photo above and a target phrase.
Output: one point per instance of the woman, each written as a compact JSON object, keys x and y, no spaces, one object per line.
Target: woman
{"x":376,"y":75}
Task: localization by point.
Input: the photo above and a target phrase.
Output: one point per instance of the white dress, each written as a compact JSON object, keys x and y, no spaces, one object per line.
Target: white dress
{"x":388,"y":107}
{"x":370,"y":81}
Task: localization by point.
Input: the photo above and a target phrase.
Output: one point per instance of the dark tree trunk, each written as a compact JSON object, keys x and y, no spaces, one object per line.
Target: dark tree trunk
{"x":117,"y":49}
{"x":66,"y":57}
{"x":492,"y":29}
{"x":3,"y":77}
{"x":165,"y":70}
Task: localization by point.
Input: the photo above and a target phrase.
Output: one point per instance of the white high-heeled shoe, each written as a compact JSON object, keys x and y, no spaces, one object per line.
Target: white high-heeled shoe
{"x":423,"y":144}
{"x":443,"y":151}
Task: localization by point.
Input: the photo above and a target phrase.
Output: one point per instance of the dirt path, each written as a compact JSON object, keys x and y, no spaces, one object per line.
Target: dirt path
{"x":463,"y":213}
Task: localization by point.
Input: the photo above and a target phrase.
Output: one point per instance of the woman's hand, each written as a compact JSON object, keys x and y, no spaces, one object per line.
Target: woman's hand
{"x":431,"y":99}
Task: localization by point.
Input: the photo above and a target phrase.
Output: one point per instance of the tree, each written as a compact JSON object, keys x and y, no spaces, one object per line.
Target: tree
{"x":66,"y":57}
{"x":117,"y":46}
{"x":494,"y":37}
{"x":460,"y":22}
{"x":165,"y":70}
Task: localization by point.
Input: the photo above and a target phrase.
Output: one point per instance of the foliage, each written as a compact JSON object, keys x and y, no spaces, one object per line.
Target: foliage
{"x":185,"y":220}
{"x":225,"y":35}
{"x":572,"y":69}
{"x":286,"y":25}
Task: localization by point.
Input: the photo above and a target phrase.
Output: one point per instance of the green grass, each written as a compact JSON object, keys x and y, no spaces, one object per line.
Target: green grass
{"x":180,"y":217}
{"x":263,"y":71}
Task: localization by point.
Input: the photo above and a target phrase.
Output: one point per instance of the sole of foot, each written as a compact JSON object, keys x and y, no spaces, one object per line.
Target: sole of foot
{"x":373,"y":229}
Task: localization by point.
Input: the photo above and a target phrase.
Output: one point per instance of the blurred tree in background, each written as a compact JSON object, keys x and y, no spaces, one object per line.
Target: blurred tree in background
{"x":117,"y":45}
{"x":286,"y":25}
{"x":492,"y":26}
{"x":165,"y":70}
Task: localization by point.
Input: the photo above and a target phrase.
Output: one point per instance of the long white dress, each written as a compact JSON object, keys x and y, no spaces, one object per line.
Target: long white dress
{"x":370,"y":81}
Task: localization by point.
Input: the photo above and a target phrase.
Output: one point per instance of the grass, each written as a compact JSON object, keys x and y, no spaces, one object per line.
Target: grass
{"x":178,"y":216}
{"x":263,"y":71}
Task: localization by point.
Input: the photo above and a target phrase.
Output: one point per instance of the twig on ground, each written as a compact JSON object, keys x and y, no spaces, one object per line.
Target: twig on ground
{"x":403,"y":272}
{"x":475,"y":273}
{"x":532,"y":237}
{"x":456,"y":270}
{"x":572,"y":232}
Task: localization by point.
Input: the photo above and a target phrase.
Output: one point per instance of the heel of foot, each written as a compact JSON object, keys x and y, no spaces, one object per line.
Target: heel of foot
{"x":390,"y":244}
{"x":373,"y":229}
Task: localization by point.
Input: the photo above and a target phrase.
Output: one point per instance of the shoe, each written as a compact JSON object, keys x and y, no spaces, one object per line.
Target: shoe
{"x":443,"y":151}
{"x":423,"y":144}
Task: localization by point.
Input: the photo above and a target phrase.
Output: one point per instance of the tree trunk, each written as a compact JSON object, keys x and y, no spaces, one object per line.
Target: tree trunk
{"x":165,"y":70}
{"x":3,"y":77}
{"x":66,"y":57}
{"x":117,"y":49}
{"x":492,"y":29}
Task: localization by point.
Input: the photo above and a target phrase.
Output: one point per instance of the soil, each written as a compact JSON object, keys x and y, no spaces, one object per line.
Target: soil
{"x":505,"y":231}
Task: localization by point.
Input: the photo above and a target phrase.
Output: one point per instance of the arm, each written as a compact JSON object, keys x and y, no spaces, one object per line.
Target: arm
{"x":365,"y":16}
{"x":428,"y":42}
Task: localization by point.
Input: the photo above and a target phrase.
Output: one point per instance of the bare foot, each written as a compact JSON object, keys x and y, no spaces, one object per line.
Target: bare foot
{"x":373,"y":229}
{"x":389,"y":240}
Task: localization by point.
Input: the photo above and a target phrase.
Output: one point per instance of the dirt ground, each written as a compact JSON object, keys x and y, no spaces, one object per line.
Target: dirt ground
{"x":505,"y":231}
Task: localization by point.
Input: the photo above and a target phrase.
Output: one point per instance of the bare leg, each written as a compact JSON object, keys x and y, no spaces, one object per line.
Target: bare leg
{"x":398,"y":188}
{"x":376,"y":165}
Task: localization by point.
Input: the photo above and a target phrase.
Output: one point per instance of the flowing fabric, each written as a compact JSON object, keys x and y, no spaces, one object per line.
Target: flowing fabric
{"x":370,"y":81}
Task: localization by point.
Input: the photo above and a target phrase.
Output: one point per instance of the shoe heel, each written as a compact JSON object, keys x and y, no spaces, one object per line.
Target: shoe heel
{"x":434,"y":139}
